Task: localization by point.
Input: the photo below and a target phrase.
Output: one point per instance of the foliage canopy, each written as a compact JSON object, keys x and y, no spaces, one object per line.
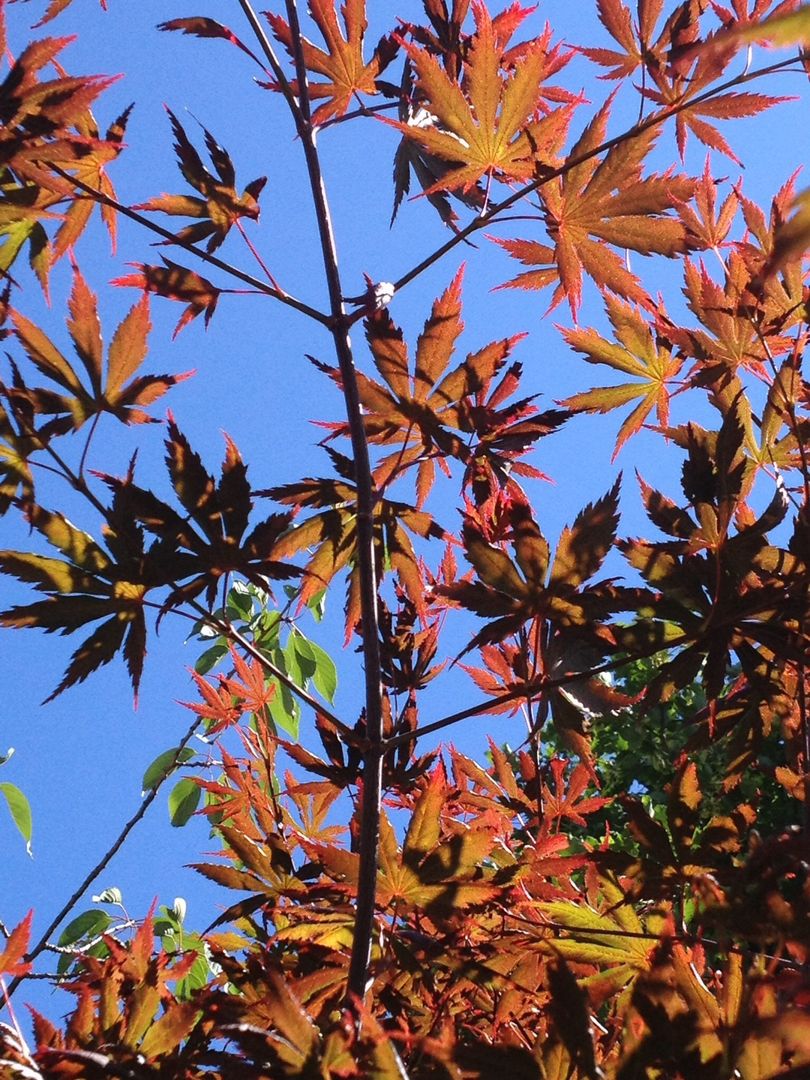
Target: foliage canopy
{"x":625,"y":895}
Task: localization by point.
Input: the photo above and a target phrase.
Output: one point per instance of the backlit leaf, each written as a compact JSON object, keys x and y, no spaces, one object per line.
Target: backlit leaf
{"x":341,"y":65}
{"x":20,"y":810}
{"x":184,"y":798}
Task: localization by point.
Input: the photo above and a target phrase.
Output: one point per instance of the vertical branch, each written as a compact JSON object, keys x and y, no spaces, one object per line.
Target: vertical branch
{"x":339,"y":325}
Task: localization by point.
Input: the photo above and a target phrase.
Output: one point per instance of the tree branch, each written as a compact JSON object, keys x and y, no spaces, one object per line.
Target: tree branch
{"x":206,"y":256}
{"x":372,"y":758}
{"x":633,"y":132}
{"x":106,"y":858}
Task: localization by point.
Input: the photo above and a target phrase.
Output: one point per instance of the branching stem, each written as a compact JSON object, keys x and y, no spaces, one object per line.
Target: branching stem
{"x":107,"y":857}
{"x":206,"y":256}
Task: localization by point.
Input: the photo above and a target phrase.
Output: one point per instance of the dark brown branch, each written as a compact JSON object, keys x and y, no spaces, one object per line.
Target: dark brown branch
{"x":372,"y":758}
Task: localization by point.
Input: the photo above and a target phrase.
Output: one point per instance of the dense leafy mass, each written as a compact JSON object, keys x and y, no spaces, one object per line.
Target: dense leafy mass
{"x":625,"y":895}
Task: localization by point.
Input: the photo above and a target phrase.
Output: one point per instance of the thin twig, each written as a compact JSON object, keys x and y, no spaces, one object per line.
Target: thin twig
{"x":528,"y":690}
{"x":295,"y":106}
{"x":226,"y":629}
{"x":653,"y":120}
{"x":192,"y":249}
{"x":364,"y":110}
{"x":106,"y":858}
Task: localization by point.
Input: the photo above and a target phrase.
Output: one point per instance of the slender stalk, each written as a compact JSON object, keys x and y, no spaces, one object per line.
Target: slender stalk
{"x":106,"y":858}
{"x":206,"y":256}
{"x":296,"y":107}
{"x":373,"y":755}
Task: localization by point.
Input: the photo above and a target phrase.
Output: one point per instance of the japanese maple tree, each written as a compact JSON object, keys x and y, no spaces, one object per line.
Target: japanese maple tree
{"x":624,"y":893}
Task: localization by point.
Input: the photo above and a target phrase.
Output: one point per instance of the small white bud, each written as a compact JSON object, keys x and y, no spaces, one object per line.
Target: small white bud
{"x":382,"y":294}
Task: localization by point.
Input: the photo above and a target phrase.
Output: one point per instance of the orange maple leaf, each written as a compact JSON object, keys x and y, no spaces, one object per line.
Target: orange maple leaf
{"x":485,"y":127}
{"x":342,"y":66}
{"x":594,"y":204}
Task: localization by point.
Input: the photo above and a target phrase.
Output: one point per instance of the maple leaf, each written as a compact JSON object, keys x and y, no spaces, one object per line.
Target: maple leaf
{"x":691,"y":118}
{"x":56,"y":7}
{"x":639,"y":352}
{"x":117,"y":391}
{"x":176,"y":283}
{"x":720,"y":589}
{"x":678,"y":66}
{"x":447,"y":41}
{"x":617,"y":20}
{"x":783,"y":26}
{"x":345,"y":72}
{"x":47,"y":133}
{"x":223,"y":705}
{"x":706,"y":226}
{"x":594,"y":204}
{"x":200,"y":26}
{"x":85,"y":586}
{"x":16,"y":946}
{"x":333,"y":535}
{"x":220,"y":207}
{"x":534,"y":585}
{"x":89,"y":168}
{"x":606,"y":931}
{"x":440,"y":867}
{"x":487,"y":128}
{"x":566,"y":800}
{"x":16,"y":478}
{"x":211,"y":540}
{"x":432,"y":414}
{"x":729,"y":338}
{"x":407,"y":653}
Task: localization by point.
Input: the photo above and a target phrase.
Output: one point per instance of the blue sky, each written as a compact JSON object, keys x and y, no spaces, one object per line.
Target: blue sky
{"x":80,"y":759}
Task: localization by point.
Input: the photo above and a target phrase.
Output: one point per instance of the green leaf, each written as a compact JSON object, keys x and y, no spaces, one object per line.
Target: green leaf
{"x":184,"y":798}
{"x":20,"y":810}
{"x":211,"y":657}
{"x":284,"y":711}
{"x":160,"y":767}
{"x":89,"y":924}
{"x":307,"y":662}
{"x":239,"y":602}
{"x":317,"y":605}
{"x":266,"y":628}
{"x":325,"y":674}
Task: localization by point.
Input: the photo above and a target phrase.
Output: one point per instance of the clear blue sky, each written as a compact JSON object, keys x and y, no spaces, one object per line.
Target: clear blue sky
{"x":80,"y":759}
